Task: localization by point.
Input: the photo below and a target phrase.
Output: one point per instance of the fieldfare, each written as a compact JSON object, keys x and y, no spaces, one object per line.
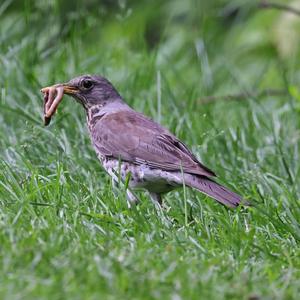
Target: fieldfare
{"x":133,"y":147}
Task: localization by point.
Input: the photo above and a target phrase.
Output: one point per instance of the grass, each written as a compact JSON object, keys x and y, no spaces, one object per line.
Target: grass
{"x":65,"y":235}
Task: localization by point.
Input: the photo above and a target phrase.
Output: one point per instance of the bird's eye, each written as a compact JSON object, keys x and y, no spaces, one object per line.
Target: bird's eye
{"x":87,"y":84}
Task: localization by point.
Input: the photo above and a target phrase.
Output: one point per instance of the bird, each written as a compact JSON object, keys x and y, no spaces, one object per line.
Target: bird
{"x":138,"y":151}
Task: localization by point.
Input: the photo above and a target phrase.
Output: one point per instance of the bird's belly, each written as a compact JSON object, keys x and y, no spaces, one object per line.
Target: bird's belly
{"x":141,"y":176}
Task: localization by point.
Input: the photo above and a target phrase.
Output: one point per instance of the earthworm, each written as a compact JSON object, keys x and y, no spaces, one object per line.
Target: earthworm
{"x":52,"y":97}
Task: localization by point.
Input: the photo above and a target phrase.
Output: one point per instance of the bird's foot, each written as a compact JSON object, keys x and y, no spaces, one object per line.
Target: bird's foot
{"x":131,"y":199}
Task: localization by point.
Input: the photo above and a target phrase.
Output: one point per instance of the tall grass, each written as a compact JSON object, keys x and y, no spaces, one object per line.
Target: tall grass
{"x":64,"y":234}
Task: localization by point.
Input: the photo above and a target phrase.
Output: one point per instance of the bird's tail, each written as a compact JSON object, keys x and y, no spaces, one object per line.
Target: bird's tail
{"x":213,"y":189}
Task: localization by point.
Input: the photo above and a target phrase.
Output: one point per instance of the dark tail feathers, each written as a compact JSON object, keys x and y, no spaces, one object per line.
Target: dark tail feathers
{"x":214,"y":190}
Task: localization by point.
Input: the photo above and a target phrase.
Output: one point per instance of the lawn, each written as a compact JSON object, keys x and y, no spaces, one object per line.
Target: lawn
{"x":64,"y":234}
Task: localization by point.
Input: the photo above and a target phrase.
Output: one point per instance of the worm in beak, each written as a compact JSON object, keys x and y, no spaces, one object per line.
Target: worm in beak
{"x":52,"y":97}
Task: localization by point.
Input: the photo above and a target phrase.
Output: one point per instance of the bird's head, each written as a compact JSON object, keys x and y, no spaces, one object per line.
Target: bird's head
{"x":91,"y":90}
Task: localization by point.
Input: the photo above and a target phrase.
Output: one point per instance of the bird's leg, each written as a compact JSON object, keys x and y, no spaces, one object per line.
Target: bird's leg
{"x":131,"y":198}
{"x":156,"y":198}
{"x":115,"y":187}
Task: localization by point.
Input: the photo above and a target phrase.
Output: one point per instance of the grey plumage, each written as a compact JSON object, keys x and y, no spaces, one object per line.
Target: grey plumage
{"x":156,"y":160}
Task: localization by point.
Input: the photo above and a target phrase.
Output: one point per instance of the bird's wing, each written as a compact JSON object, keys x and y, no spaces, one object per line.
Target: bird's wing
{"x":130,"y":136}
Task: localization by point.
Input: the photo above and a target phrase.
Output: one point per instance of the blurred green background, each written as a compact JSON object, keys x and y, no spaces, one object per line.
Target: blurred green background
{"x":64,"y":235}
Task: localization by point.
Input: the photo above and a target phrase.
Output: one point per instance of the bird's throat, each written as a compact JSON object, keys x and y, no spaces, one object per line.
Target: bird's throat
{"x":94,"y":114}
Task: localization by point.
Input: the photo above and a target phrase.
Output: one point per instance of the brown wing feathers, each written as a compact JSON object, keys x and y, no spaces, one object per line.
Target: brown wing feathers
{"x":132,"y":137}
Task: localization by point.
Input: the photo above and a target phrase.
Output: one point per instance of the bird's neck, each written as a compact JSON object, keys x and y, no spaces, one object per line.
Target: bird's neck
{"x":98,"y":111}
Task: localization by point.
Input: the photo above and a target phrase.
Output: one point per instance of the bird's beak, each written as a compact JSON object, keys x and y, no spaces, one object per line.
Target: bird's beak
{"x":70,"y":89}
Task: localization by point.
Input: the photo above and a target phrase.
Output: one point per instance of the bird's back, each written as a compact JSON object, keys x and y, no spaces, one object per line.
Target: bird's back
{"x":130,"y":136}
